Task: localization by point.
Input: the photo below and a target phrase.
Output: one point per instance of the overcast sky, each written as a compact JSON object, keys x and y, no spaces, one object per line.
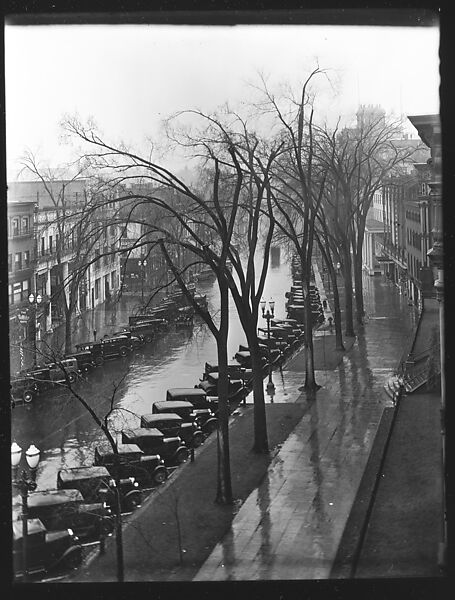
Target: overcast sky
{"x":129,"y":77}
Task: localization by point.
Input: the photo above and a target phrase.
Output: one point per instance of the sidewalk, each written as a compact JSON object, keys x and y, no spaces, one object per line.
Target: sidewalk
{"x":405,"y":526}
{"x":293,"y":515}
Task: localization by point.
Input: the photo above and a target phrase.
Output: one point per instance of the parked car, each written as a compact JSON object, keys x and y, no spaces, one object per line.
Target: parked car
{"x":209,"y":383}
{"x":96,"y":485}
{"x":173,"y":450}
{"x":235,"y":371}
{"x":61,"y":509}
{"x":107,"y":348}
{"x":28,"y":384}
{"x":47,"y":551}
{"x":204,"y":417}
{"x":133,"y":462}
{"x":171,"y":425}
{"x":84,"y":360}
{"x":243,"y":357}
{"x":205,"y":404}
{"x":135,"y":339}
{"x":198,"y":398}
{"x":140,"y":323}
{"x":24,"y":387}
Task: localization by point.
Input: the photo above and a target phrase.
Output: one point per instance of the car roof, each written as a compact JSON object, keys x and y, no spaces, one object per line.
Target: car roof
{"x":145,"y":432}
{"x":122,"y":449}
{"x":151,"y":418}
{"x":53,"y":497}
{"x":186,"y":392}
{"x":170,"y":404}
{"x":83,"y":473}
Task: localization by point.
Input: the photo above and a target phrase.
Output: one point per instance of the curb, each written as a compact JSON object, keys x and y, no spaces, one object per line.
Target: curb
{"x":350,"y":546}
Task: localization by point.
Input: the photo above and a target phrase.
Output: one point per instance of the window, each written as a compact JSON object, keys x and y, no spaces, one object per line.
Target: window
{"x":26,"y":259}
{"x":10,"y":263}
{"x":50,"y":244}
{"x":25,"y":225}
{"x":17,"y":261}
{"x":15,"y":226}
{"x":97,"y":288}
{"x":43,"y":249}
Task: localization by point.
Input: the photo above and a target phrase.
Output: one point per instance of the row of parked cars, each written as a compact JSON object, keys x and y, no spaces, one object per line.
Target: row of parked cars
{"x":142,"y":329}
{"x":82,"y":506}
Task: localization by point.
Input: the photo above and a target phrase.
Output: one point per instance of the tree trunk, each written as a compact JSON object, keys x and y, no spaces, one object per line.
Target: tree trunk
{"x":348,"y":294}
{"x":358,"y":285}
{"x":310,"y":378}
{"x":224,"y":485}
{"x":68,"y":332}
{"x":336,"y":310}
{"x":261,"y":444}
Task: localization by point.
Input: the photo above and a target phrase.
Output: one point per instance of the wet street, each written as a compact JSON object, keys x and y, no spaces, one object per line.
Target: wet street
{"x":66,"y":434}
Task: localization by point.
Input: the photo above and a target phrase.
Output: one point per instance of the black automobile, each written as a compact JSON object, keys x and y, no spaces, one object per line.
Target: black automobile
{"x":62,"y":509}
{"x":107,"y":348}
{"x":28,"y":384}
{"x":198,"y":398}
{"x":136,"y":340}
{"x":24,"y":387}
{"x":204,"y":417}
{"x":173,"y":450}
{"x":171,"y":425}
{"x":235,"y":371}
{"x":47,"y":551}
{"x":97,"y":485}
{"x":205,"y":404}
{"x":144,"y":324}
{"x":243,"y":357}
{"x":209,"y":384}
{"x":132,"y":462}
{"x":84,"y":359}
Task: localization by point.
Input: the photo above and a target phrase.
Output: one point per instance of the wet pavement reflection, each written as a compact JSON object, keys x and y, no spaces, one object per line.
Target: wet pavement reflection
{"x":290,"y":527}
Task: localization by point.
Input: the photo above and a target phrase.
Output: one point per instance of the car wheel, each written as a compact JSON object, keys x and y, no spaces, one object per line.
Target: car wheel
{"x":160,"y":477}
{"x":198,"y":439}
{"x":133,"y":503}
{"x":74,"y":558}
{"x":28,"y":396}
{"x":99,"y":361}
{"x":148,"y":338}
{"x":107,"y":526}
{"x":123,"y":351}
{"x":212,"y":426}
{"x":182,"y":456}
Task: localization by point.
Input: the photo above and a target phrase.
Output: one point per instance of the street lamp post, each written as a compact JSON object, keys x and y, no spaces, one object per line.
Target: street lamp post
{"x":25,"y":483}
{"x":268,"y":315}
{"x":142,"y":264}
{"x":35,"y":301}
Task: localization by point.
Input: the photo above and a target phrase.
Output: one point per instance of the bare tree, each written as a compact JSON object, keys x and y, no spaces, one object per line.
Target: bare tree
{"x":296,"y":184}
{"x":358,"y":159}
{"x":80,"y":227}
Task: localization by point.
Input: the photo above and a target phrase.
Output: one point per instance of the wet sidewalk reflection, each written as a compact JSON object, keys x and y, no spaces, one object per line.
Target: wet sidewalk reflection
{"x":290,"y":527}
